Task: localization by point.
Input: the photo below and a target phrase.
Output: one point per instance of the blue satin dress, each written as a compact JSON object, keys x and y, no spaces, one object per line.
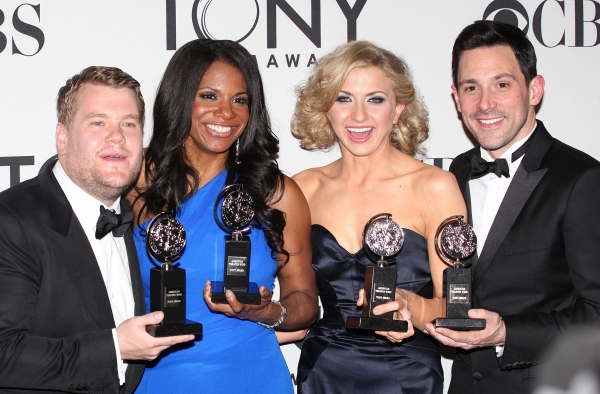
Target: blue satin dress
{"x":232,"y":356}
{"x":336,"y":360}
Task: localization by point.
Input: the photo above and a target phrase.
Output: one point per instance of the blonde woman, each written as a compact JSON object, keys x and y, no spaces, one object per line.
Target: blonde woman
{"x":361,"y":97}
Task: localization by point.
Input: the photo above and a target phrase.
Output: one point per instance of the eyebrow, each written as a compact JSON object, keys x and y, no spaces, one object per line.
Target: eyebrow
{"x":102,"y":115}
{"x":368,"y":94}
{"x":493,"y":78}
{"x":218,"y":90}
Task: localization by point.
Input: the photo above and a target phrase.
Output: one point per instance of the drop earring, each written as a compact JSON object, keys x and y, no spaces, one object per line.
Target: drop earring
{"x":395,"y":129}
{"x":237,"y":152}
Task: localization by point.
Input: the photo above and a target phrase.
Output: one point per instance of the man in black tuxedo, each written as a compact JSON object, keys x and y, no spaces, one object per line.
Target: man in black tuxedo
{"x":534,"y":203}
{"x":66,"y":281}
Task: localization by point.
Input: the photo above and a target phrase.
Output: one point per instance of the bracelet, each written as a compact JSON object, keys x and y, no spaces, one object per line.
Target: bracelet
{"x":279,"y":321}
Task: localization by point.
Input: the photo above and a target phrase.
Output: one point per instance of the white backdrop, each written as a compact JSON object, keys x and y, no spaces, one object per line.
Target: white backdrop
{"x":44,"y":43}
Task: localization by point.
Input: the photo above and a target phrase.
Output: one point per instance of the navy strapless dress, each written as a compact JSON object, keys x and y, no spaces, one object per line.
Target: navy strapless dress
{"x":336,"y":360}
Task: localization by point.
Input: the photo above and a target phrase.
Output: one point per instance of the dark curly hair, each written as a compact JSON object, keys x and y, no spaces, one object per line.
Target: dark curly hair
{"x":171,"y":180}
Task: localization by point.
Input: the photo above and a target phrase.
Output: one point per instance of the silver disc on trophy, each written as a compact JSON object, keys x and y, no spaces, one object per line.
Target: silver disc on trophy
{"x":237,"y":213}
{"x":383,"y":237}
{"x":457,"y":240}
{"x":455,"y":243}
{"x":165,"y":241}
{"x":237,"y":209}
{"x":165,"y":237}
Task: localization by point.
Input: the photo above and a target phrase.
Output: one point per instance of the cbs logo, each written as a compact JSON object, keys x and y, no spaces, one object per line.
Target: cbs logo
{"x":554,"y":23}
{"x":21,"y":14}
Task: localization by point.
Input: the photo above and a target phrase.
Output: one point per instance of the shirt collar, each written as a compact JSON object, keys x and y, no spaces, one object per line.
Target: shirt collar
{"x":85,"y":206}
{"x":508,"y":154}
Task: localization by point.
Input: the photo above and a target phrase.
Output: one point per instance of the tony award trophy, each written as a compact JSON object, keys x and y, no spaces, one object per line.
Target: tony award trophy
{"x":237,"y":212}
{"x":382,"y":240}
{"x":165,"y":240}
{"x":455,"y":242}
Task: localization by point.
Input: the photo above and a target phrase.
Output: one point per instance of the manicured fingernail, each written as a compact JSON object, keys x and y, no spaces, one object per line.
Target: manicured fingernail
{"x":375,"y":310}
{"x":229,"y":294}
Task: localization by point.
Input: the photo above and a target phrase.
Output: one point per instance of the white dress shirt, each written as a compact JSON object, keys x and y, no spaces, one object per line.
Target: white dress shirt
{"x":110,"y":252}
{"x":487,"y":194}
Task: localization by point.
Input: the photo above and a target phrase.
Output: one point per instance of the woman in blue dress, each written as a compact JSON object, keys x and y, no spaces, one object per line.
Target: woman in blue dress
{"x":361,"y":98}
{"x":211,"y":129}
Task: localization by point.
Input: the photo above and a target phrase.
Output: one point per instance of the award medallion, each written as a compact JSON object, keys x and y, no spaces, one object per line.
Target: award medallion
{"x":383,"y":239}
{"x":236,"y":214}
{"x":455,"y":243}
{"x":165,"y":241}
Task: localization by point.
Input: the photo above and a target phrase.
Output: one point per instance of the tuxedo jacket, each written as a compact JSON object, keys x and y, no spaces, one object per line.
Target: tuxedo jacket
{"x":55,"y":316}
{"x":540,"y":265}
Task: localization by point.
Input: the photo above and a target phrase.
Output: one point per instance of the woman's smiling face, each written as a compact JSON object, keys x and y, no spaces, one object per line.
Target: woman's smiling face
{"x":364,"y":111}
{"x":221,"y":109}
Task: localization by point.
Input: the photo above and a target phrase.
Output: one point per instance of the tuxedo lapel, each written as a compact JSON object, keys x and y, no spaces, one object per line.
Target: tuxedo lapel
{"x":463,"y":174}
{"x":134,"y":266}
{"x":516,"y":196}
{"x":75,"y":251}
{"x":524,"y":182}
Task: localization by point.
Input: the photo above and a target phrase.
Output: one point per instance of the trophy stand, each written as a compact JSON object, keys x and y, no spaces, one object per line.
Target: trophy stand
{"x":455,"y":246}
{"x":237,"y":212}
{"x":165,"y":240}
{"x":382,"y":239}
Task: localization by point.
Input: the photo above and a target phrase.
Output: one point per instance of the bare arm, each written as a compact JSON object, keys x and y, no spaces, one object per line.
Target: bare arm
{"x":284,"y":337}
{"x":441,"y":198}
{"x":298,"y":292}
{"x":297,"y":277}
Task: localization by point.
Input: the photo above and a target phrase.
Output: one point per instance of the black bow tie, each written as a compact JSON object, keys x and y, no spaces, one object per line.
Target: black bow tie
{"x":480,"y":167}
{"x":111,"y":221}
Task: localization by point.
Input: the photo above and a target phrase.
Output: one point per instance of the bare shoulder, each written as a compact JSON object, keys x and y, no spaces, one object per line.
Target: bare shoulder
{"x":434,"y":180}
{"x":292,"y":197}
{"x":311,"y":180}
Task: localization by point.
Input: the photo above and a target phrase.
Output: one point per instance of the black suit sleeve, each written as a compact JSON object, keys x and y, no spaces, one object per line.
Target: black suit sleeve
{"x":528,"y":335}
{"x":47,"y":354}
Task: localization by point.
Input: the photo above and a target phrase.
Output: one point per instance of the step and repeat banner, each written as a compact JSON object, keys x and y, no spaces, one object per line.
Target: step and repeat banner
{"x":45,"y":42}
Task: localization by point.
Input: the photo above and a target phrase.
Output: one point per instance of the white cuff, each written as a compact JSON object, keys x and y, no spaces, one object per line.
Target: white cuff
{"x":121,"y":366}
{"x":499,"y":351}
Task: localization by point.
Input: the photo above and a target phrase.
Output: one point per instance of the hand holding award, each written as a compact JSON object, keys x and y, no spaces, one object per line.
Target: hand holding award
{"x":237,"y":212}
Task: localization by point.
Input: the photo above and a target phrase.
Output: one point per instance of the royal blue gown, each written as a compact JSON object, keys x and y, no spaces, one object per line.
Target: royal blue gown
{"x":337,"y":360}
{"x":232,"y":356}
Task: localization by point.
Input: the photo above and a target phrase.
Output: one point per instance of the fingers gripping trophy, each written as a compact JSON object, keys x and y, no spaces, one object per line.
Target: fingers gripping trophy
{"x":455,"y":243}
{"x":382,"y":240}
{"x":165,"y":241}
{"x":237,"y":212}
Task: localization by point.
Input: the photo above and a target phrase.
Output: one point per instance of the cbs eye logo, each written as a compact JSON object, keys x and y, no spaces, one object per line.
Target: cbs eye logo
{"x":573,"y":23}
{"x":508,"y":11}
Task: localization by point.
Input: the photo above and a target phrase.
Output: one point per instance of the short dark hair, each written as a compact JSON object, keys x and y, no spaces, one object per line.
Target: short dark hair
{"x":66,"y":102}
{"x":487,"y":34}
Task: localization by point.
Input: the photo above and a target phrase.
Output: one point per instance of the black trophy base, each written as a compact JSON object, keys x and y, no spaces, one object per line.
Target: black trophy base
{"x":376,"y":324}
{"x":251,"y":297}
{"x":170,"y":330}
{"x":461,"y":324}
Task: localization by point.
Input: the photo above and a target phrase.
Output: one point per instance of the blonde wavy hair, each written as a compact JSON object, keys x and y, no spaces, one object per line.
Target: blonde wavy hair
{"x":316,"y":97}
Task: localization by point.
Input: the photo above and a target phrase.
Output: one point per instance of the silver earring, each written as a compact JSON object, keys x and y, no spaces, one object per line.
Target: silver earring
{"x":395,"y":129}
{"x":237,"y":152}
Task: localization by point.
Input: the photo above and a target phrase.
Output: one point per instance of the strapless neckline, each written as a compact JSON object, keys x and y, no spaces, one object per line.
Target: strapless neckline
{"x":361,"y":250}
{"x":412,"y":366}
